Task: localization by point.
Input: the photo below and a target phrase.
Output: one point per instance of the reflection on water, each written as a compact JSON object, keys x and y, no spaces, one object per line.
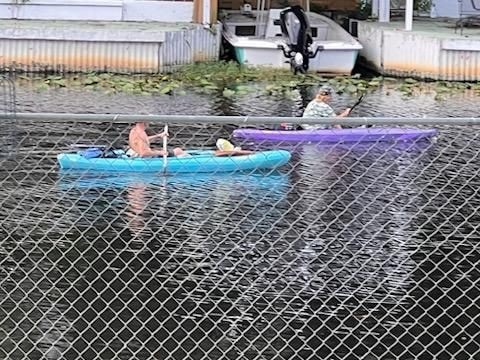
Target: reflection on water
{"x":350,"y":225}
{"x":341,"y":251}
{"x":171,"y":236}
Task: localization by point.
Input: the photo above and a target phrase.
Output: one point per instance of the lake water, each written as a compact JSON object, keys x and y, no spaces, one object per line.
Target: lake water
{"x":367,"y":251}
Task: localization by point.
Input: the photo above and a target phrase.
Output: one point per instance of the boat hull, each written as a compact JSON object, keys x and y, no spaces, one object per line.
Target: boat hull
{"x":202,"y":162}
{"x":336,"y":60}
{"x":336,"y":135}
{"x":261,"y":47}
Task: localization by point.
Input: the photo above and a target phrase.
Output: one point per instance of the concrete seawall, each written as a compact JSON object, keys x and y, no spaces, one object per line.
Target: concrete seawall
{"x":432,"y":50}
{"x":119,"y":47}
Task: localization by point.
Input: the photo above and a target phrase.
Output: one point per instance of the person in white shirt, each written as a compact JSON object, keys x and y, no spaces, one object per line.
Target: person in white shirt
{"x":319,"y":107}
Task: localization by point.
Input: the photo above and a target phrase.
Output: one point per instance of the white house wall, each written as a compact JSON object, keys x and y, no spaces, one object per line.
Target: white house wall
{"x":165,"y":11}
{"x":108,"y":10}
{"x":94,"y":10}
{"x":445,"y":8}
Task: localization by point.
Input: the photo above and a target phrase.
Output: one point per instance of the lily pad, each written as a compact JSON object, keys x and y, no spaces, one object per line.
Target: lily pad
{"x":228,"y":93}
{"x":105,"y":76}
{"x":356,"y":81}
{"x":351,"y":88}
{"x":128,"y":87}
{"x":41,"y":87}
{"x":205,"y":82}
{"x":230,"y":78}
{"x":91,"y":80}
{"x":166,"y":89}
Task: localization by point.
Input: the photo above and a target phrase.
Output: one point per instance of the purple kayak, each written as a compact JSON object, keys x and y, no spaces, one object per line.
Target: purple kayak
{"x":336,"y":135}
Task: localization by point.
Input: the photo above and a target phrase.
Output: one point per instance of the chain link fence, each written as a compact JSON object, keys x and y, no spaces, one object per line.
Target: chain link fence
{"x":351,"y":250}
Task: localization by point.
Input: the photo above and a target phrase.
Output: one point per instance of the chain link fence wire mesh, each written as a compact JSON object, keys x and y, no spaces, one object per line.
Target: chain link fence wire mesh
{"x":363,"y":250}
{"x":7,"y":109}
{"x":7,"y":96}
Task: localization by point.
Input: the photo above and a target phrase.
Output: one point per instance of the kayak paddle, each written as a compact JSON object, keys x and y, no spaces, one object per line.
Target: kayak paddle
{"x":357,"y":103}
{"x":165,"y":153}
{"x":85,"y":146}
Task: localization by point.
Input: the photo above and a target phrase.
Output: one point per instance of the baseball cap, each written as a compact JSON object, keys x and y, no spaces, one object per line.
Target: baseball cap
{"x":325,"y":91}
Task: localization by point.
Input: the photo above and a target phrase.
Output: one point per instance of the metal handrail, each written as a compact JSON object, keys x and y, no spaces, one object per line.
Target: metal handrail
{"x":243,"y":120}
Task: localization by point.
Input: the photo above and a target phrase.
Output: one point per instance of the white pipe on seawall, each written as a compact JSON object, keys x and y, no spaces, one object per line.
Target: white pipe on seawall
{"x":375,"y":8}
{"x":206,"y":12}
{"x":408,"y":15}
{"x":384,"y":11}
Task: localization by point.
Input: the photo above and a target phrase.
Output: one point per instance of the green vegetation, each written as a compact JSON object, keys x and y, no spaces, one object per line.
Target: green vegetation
{"x":229,"y":79}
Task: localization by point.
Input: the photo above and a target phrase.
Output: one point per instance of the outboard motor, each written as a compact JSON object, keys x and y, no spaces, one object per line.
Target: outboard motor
{"x":298,"y":35}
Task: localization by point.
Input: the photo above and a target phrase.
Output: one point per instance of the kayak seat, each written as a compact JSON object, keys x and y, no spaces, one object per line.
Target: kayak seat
{"x":96,"y":152}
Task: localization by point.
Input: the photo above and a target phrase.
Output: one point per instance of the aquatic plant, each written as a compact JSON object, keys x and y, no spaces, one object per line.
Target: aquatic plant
{"x":231,"y":79}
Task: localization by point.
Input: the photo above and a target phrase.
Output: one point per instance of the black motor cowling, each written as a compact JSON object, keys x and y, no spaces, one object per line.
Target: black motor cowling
{"x":298,"y":36}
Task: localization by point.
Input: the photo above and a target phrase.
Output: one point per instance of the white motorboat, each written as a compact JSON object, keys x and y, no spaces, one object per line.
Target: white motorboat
{"x":290,"y":37}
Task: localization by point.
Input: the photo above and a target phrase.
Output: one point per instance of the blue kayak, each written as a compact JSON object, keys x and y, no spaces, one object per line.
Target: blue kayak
{"x":198,"y":161}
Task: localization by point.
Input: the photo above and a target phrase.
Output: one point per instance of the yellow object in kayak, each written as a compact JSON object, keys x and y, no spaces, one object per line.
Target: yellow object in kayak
{"x":225,"y":145}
